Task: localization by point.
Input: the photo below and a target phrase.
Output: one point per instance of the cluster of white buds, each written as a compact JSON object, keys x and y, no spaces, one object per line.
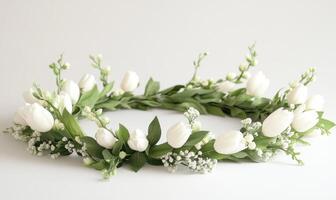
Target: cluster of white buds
{"x":69,"y":145}
{"x":195,"y":161}
{"x":17,"y":131}
{"x":205,"y":140}
{"x":96,"y":116}
{"x":264,"y":155}
{"x":192,"y":114}
{"x":251,"y":131}
{"x":96,"y":62}
{"x":58,"y":125}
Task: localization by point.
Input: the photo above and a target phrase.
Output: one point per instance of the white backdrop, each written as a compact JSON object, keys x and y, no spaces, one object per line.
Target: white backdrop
{"x":160,"y":39}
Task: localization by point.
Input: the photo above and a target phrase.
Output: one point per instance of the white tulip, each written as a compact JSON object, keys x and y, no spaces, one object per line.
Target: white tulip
{"x":303,"y":121}
{"x":130,"y":81}
{"x":29,"y":97}
{"x":37,"y":117}
{"x":277,"y":122}
{"x":72,"y":89}
{"x":18,"y":119}
{"x":315,"y":102}
{"x":298,"y":95}
{"x":138,"y":140}
{"x":226,"y":86}
{"x":87,"y":82}
{"x":257,"y":84}
{"x":63,"y":100}
{"x":178,"y":134}
{"x":105,"y":138}
{"x":230,"y":142}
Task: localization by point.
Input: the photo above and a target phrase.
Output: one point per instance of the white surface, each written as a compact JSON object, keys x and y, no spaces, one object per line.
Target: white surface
{"x":161,"y":39}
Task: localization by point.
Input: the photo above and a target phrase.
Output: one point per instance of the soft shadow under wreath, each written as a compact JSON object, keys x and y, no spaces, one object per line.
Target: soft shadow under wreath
{"x":49,"y":120}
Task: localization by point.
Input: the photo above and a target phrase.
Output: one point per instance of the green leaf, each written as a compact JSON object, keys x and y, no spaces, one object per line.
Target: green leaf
{"x":100,"y":165}
{"x":110,"y":105}
{"x":195,"y":138}
{"x":160,"y":150}
{"x":237,"y":112}
{"x":89,"y":98}
{"x":107,"y":155}
{"x":154,"y":131}
{"x":106,"y":90}
{"x":325,"y":125}
{"x":71,"y":124}
{"x":117,"y":147}
{"x":152,"y":87}
{"x":137,"y":161}
{"x":122,"y":134}
{"x":214,"y":110}
{"x":92,"y":147}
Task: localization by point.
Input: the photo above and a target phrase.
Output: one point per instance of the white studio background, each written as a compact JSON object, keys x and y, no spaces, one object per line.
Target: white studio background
{"x":161,"y":39}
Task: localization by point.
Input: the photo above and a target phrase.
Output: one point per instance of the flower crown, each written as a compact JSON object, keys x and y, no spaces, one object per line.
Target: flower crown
{"x":49,"y":120}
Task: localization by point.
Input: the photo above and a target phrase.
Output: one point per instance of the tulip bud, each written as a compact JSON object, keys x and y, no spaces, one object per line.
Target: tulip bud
{"x":230,"y":76}
{"x":226,"y":86}
{"x":303,"y":121}
{"x":18,"y":119}
{"x":230,"y":142}
{"x":178,"y":134}
{"x":298,"y":95}
{"x":63,"y":100}
{"x":37,"y":117}
{"x":315,"y":102}
{"x":138,"y":140}
{"x":130,"y":81}
{"x":257,"y":84}
{"x":72,"y":89}
{"x":105,"y":138}
{"x":29,"y":97}
{"x":87,"y":82}
{"x":277,"y":122}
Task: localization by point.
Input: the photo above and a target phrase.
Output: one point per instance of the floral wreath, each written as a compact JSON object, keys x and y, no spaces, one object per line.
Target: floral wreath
{"x":49,"y":120}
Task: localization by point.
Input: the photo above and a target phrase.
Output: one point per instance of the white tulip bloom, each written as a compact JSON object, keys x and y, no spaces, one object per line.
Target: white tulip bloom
{"x":105,"y":138}
{"x":72,"y":89}
{"x":303,"y":121}
{"x":18,"y":119}
{"x":130,"y":81}
{"x":230,"y":142}
{"x":277,"y":122}
{"x":315,"y":102}
{"x":29,"y":97}
{"x":178,"y":134}
{"x":87,"y":82}
{"x":226,"y":86}
{"x":257,"y":84}
{"x":63,"y":100}
{"x":37,"y":117}
{"x":298,"y":95}
{"x":138,"y":140}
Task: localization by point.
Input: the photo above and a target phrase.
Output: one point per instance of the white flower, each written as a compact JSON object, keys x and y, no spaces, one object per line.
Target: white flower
{"x":18,"y":119}
{"x":63,"y":100}
{"x":303,"y":121}
{"x":257,"y":84}
{"x":226,"y":86}
{"x":298,"y":95}
{"x":178,"y":134}
{"x":87,"y":82}
{"x":277,"y":122}
{"x":105,"y":138}
{"x":315,"y":102}
{"x":72,"y":89}
{"x":138,"y":140}
{"x":230,"y":142}
{"x":130,"y":81}
{"x":37,"y":117}
{"x":29,"y":97}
